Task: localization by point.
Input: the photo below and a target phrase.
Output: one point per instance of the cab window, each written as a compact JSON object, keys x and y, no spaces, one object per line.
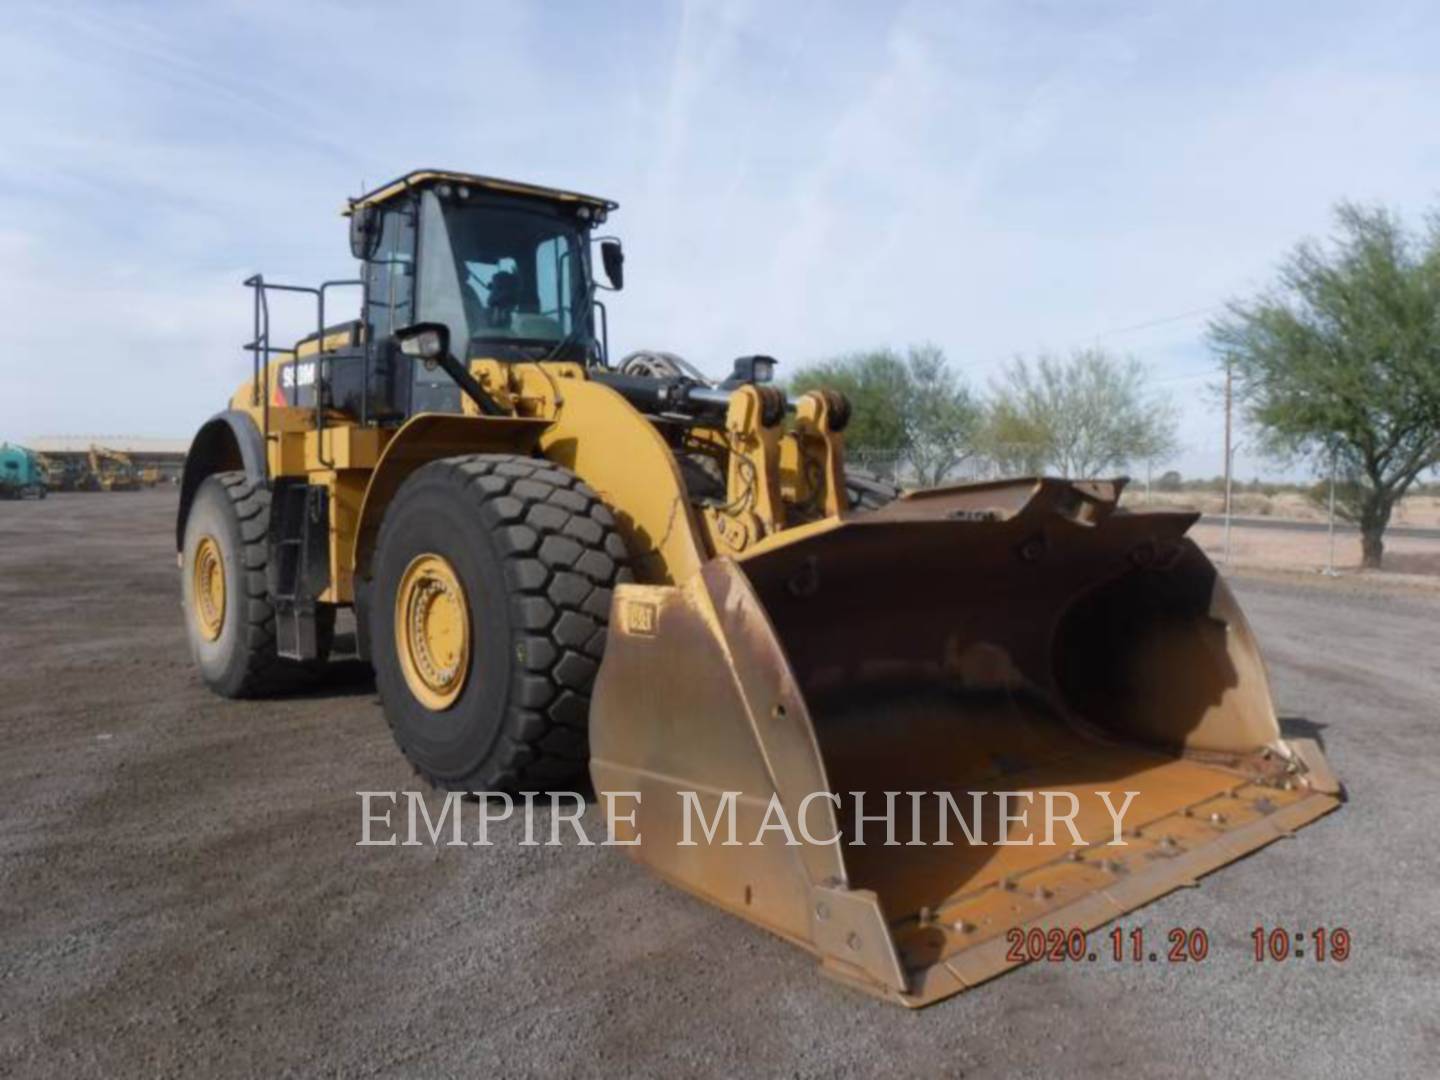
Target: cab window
{"x":390,"y":274}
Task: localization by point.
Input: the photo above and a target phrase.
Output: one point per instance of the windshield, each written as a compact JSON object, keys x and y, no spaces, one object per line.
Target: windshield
{"x":503,"y":273}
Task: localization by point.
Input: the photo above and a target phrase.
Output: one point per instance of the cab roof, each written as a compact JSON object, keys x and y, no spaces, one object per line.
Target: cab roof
{"x":425,"y":177}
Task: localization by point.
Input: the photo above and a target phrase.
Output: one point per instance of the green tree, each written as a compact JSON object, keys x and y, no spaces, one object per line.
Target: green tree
{"x":1340,"y":359}
{"x":878,"y":387}
{"x":916,"y":406}
{"x":1081,"y":417}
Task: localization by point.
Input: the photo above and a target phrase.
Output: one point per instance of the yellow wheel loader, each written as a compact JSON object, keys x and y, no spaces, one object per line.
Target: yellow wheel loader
{"x":838,"y":711}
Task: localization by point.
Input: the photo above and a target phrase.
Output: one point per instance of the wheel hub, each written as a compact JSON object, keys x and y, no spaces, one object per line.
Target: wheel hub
{"x":208,"y":588}
{"x":432,"y":631}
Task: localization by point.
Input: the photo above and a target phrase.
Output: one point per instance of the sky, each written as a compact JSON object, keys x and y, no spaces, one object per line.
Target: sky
{"x":799,"y":179}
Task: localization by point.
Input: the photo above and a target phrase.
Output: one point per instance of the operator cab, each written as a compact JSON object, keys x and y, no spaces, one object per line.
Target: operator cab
{"x":504,"y":267}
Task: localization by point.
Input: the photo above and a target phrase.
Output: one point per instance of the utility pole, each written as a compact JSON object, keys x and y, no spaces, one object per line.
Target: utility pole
{"x":1330,"y":562}
{"x":1227,"y":457}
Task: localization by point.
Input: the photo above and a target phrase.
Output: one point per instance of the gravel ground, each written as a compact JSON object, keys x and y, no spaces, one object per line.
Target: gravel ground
{"x":180,"y":892}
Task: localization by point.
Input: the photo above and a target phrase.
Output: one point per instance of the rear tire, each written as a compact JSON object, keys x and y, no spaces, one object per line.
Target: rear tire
{"x":228,"y":617}
{"x":498,"y":570}
{"x":867,"y":491}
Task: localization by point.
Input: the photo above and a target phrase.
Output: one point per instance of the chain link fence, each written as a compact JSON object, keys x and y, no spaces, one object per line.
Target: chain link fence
{"x":899,"y":466}
{"x":1288,"y":526}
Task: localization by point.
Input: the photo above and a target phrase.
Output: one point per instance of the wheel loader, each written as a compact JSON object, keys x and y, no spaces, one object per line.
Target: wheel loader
{"x":112,"y":470}
{"x":559,"y":563}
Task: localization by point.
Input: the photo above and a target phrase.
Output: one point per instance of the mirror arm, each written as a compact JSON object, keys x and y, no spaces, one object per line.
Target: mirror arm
{"x":483,"y":401}
{"x":604,"y":332}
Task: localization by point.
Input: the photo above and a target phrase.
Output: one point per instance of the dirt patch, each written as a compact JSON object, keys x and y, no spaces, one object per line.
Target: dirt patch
{"x":1288,"y":549}
{"x":1421,"y":511}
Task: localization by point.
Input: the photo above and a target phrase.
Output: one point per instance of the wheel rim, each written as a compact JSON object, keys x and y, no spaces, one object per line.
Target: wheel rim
{"x":208,"y":588}
{"x":432,"y":631}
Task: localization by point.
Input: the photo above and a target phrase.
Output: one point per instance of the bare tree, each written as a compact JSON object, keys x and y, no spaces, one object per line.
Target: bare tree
{"x":1081,"y":417}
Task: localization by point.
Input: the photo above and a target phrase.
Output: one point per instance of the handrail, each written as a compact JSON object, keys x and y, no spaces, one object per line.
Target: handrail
{"x":261,"y":350}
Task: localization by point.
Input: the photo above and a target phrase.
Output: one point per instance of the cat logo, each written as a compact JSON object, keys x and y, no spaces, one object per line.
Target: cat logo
{"x":640,"y":617}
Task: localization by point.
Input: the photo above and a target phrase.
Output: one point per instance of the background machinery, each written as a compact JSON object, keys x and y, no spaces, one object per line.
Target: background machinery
{"x":95,"y":462}
{"x":557,"y":562}
{"x":21,"y":473}
{"x":59,"y":475}
{"x":112,"y":470}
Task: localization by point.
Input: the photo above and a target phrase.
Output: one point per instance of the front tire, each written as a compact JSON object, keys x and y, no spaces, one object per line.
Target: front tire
{"x":488,"y":610}
{"x":866,"y":491}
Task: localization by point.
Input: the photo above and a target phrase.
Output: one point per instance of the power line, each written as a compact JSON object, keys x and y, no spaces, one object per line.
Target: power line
{"x":1181,"y":376}
{"x":1160,"y":322}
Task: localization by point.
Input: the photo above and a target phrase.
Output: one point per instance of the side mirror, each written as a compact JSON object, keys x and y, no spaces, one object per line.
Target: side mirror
{"x":613,"y":256}
{"x":364,"y":232}
{"x":427,"y":341}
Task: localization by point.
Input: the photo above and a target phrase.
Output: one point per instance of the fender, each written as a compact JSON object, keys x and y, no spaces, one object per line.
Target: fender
{"x":229,"y":441}
{"x":424,"y":438}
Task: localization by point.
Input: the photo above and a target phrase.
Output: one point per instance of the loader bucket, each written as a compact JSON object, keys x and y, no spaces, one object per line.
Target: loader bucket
{"x":1024,"y":637}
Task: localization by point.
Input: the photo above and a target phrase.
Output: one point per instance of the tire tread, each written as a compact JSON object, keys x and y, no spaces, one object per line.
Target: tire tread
{"x":544,"y":522}
{"x":265,"y":671}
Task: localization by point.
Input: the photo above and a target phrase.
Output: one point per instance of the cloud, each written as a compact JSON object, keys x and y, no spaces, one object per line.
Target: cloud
{"x":796,"y":179}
